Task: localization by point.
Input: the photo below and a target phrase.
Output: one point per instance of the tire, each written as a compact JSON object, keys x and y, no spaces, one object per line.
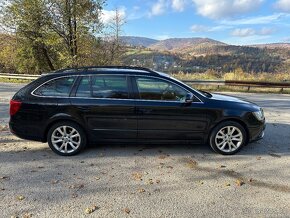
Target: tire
{"x":66,"y":138}
{"x":228,"y":138}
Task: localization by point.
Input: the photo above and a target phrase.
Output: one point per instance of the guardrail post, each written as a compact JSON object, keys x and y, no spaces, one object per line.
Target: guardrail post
{"x":249,"y":88}
{"x":281,"y":90}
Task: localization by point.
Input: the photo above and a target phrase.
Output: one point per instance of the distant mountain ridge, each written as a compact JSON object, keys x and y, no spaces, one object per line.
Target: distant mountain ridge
{"x":178,"y":44}
{"x":138,"y":41}
{"x":194,"y":45}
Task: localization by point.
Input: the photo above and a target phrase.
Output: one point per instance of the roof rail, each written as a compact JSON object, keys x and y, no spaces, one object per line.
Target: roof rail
{"x":109,"y":67}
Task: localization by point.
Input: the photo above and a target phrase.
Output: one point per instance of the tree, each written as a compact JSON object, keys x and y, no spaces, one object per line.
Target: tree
{"x":51,"y":34}
{"x":26,"y":18}
{"x":116,"y":46}
{"x":73,"y":20}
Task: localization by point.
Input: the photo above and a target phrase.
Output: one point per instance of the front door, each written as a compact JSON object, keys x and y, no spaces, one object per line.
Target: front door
{"x":163,"y":113}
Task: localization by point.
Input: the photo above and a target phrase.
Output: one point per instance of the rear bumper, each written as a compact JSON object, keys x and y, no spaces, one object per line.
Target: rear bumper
{"x":24,"y":132}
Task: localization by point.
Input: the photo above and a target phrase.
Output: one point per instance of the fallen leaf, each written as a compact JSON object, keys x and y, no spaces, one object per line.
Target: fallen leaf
{"x":27,"y":215}
{"x":150,"y":182}
{"x":157,"y":181}
{"x":251,"y":180}
{"x":141,"y":190}
{"x":5,"y":177}
{"x":222,"y":166}
{"x":76,"y":186}
{"x":191,"y":163}
{"x":163,"y":156}
{"x":127,"y":210}
{"x":54,"y":181}
{"x":74,"y":195}
{"x":240,"y":182}
{"x":137,"y":176}
{"x":97,"y":178}
{"x":20,"y":197}
{"x":90,"y":210}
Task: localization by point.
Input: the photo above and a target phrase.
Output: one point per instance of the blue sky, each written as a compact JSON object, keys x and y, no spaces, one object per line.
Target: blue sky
{"x":237,"y":22}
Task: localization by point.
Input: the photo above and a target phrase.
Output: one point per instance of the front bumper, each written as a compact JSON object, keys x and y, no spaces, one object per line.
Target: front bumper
{"x":257,"y":133}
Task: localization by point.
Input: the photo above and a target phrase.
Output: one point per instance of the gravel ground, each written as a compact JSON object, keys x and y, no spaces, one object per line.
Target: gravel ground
{"x":149,"y":181}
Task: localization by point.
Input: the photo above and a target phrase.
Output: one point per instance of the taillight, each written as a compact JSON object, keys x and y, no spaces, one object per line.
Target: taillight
{"x":14,"y":107}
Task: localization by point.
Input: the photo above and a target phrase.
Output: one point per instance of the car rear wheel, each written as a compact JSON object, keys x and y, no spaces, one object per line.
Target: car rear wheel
{"x":228,"y":138}
{"x":66,"y":138}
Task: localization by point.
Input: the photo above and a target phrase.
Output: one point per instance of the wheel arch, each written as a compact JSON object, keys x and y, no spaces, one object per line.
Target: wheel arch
{"x":62,"y":119}
{"x":239,"y":121}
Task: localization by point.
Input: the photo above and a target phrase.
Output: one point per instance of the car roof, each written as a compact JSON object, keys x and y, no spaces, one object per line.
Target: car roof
{"x":102,"y":69}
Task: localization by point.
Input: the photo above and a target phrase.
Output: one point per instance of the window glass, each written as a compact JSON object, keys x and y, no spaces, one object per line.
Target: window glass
{"x":110,"y":87}
{"x":59,"y":87}
{"x":84,"y":89}
{"x":156,"y":89}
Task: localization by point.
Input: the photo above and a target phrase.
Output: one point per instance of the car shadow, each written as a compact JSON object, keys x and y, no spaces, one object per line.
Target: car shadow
{"x":275,"y":143}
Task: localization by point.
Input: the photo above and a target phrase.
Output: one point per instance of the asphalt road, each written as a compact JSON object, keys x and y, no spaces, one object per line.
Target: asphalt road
{"x":149,"y":181}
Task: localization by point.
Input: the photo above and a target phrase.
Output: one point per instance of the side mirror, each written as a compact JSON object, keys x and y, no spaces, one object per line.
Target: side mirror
{"x":189,"y":98}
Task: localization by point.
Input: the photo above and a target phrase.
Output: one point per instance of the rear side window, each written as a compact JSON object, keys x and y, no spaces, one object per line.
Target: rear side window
{"x":110,"y":87}
{"x":84,"y":89}
{"x":58,"y":87}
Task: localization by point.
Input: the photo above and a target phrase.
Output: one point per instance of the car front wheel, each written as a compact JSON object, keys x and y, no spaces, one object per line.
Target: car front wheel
{"x":66,"y":138}
{"x":228,"y":138}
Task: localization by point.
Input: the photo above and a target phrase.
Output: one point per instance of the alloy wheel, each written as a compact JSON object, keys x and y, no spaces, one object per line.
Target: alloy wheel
{"x":229,"y":139}
{"x":66,"y":139}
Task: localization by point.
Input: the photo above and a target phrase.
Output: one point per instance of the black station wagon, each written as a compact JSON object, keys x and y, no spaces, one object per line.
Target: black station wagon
{"x":71,"y":108}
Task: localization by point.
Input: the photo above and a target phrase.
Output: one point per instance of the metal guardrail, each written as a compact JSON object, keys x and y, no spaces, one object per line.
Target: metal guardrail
{"x":217,"y":83}
{"x":19,"y":76}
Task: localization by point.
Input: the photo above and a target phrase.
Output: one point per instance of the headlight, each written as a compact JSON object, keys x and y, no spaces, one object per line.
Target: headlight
{"x":259,"y":114}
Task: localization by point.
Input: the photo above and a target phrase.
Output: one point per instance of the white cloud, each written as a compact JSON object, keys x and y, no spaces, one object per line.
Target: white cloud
{"x":158,"y":8}
{"x":108,"y":16}
{"x":247,"y":40}
{"x":283,"y":5}
{"x":246,"y":32}
{"x":201,"y":28}
{"x":178,"y":5}
{"x":269,"y":19}
{"x":243,"y":32}
{"x":216,"y":9}
{"x":162,"y":6}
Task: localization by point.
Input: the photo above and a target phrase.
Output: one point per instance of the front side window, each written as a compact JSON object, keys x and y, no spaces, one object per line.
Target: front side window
{"x":110,"y":87}
{"x":58,"y":87}
{"x":157,"y":89}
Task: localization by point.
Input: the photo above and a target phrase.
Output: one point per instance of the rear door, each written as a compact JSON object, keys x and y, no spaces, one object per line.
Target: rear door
{"x":162,"y":113}
{"x":105,"y":104}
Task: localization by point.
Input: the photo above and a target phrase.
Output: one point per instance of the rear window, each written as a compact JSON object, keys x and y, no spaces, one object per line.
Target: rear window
{"x":58,"y":87}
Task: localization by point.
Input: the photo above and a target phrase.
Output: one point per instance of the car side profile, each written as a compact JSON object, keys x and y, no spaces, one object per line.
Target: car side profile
{"x":72,"y":108}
